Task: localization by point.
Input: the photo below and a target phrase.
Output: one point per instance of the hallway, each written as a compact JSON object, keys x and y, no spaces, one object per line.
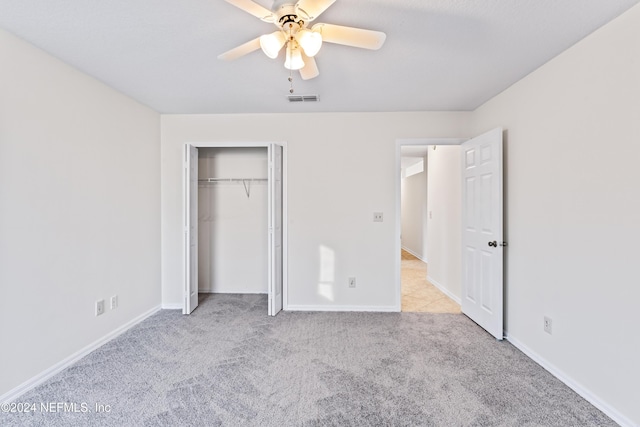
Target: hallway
{"x":418,"y":295}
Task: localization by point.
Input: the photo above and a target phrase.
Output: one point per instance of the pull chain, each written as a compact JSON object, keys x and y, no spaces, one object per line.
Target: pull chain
{"x":290,"y":82}
{"x":289,"y":47}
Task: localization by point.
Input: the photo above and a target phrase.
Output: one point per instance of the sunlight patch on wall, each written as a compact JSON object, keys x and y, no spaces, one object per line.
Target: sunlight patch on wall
{"x":327,"y":273}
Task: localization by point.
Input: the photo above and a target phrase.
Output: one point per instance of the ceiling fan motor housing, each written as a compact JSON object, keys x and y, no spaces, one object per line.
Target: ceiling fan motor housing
{"x":287,"y":12}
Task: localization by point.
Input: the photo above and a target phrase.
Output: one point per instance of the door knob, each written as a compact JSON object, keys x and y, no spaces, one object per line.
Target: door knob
{"x":494,"y":244}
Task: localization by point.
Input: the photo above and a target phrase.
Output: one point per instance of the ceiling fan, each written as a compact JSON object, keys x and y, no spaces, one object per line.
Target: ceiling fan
{"x":301,"y":42}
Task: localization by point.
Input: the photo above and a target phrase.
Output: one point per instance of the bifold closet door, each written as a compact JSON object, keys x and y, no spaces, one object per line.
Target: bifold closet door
{"x":191,"y":228}
{"x":275,"y":229}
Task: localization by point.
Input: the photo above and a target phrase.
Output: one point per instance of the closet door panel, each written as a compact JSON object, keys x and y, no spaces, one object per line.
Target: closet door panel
{"x":191,"y":229}
{"x":275,"y":229}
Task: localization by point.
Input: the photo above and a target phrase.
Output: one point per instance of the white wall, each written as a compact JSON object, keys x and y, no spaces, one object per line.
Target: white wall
{"x":573,"y":211}
{"x":444,"y":223}
{"x":79,"y":216}
{"x":232,"y":227}
{"x":414,"y":213}
{"x":341,"y":169}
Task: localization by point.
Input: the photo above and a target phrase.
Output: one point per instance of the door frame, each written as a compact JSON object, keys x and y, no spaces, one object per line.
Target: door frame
{"x":398,"y":202}
{"x":285,"y":221}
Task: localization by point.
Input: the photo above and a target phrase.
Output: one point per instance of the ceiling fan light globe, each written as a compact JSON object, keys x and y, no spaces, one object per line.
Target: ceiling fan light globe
{"x":310,"y":41}
{"x":294,"y":59}
{"x":272,"y":43}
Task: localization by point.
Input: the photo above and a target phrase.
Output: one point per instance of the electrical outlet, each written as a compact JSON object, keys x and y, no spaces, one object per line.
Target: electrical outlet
{"x":377,"y":217}
{"x":114,"y":302}
{"x":547,"y":324}
{"x":352,"y":282}
{"x":99,"y":307}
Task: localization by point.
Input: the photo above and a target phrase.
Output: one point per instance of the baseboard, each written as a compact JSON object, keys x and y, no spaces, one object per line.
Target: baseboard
{"x":233,"y":291}
{"x":444,"y":290}
{"x":575,"y":386}
{"x":420,"y":257}
{"x":172,"y":306}
{"x":43,"y":376}
{"x":384,"y":308}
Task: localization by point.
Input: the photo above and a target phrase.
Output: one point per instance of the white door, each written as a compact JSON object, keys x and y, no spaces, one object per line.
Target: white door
{"x":275,"y":229}
{"x":482,"y":257}
{"x":191,"y":229}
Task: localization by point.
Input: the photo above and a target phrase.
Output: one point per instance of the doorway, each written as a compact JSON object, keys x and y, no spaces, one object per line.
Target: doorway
{"x":235,"y":227}
{"x":480,"y":252}
{"x":429,"y":192}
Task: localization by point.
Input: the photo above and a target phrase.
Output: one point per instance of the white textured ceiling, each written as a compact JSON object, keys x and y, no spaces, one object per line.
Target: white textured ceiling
{"x":439,"y":54}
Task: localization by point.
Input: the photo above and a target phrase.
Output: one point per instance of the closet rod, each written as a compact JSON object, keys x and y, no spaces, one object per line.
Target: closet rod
{"x":232,"y":179}
{"x":245,"y":181}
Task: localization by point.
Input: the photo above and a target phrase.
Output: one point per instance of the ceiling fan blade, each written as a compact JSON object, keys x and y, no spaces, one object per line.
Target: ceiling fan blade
{"x":313,"y":8}
{"x":254,"y":9}
{"x":310,"y":69}
{"x":349,"y":36}
{"x":241,"y":50}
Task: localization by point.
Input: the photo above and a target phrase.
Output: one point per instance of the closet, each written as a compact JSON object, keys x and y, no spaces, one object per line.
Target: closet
{"x":233,"y":221}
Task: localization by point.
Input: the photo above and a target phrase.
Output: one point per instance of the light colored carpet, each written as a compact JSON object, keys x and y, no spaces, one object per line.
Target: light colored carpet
{"x":418,"y":294}
{"x":230,"y":364}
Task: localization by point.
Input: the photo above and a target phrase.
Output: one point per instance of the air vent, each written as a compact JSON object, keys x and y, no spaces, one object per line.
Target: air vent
{"x":303,"y":98}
